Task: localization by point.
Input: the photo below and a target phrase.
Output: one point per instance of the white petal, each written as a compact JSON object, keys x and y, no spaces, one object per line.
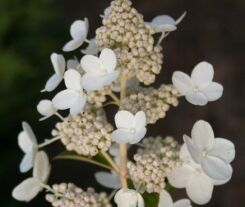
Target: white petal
{"x":78,"y":105}
{"x":139,"y":120}
{"x":73,"y":64}
{"x":79,"y":29}
{"x":92,"y":65}
{"x":194,"y":152}
{"x":133,"y":198}
{"x":108,"y":180}
{"x":222,"y":182}
{"x":184,"y":153}
{"x":163,"y":23}
{"x":26,"y":190}
{"x":41,"y":167}
{"x":198,"y":99}
{"x":141,"y":202}
{"x":64,"y":99}
{"x":92,"y":82}
{"x":202,"y":74}
{"x":216,"y":168}
{"x":27,"y":162}
{"x":213,"y":91}
{"x":202,"y":135}
{"x":182,"y":203}
{"x":109,"y":60}
{"x":199,"y":188}
{"x":73,"y":80}
{"x":180,"y":18}
{"x":25,"y":142}
{"x":121,"y":136}
{"x":165,"y":200}
{"x":46,"y":108}
{"x":59,"y":64}
{"x":73,"y":44}
{"x":27,"y":128}
{"x":52,"y":83}
{"x":92,"y":48}
{"x":179,"y":176}
{"x":109,"y":78}
{"x":124,"y":119}
{"x":138,"y":136}
{"x":223,"y":149}
{"x":182,"y":82}
{"x":114,"y":150}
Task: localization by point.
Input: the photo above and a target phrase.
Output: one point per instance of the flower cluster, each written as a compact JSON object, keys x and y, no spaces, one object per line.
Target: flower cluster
{"x":154,"y":102}
{"x":122,"y":55}
{"x":153,"y":163}
{"x":125,"y":31}
{"x":69,"y":195}
{"x":87,"y":133}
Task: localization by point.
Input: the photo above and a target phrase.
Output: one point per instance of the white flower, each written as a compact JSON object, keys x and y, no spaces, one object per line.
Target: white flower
{"x":74,"y":64}
{"x":28,"y":143}
{"x":130,"y":128}
{"x":79,"y":32}
{"x":59,"y":64}
{"x":128,"y":198}
{"x":100,"y":71}
{"x":213,"y":154}
{"x":46,"y":108}
{"x":30,"y":187}
{"x":73,"y":97}
{"x":199,"y":88}
{"x":189,"y":175}
{"x":165,"y":200}
{"x":108,"y":179}
{"x":165,"y":23}
{"x":91,"y":49}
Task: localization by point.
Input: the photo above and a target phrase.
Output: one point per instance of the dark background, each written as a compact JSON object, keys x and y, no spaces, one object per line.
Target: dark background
{"x":31,"y":30}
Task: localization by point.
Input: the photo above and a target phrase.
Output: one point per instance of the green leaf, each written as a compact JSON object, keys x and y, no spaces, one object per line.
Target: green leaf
{"x":151,"y":199}
{"x":98,"y":160}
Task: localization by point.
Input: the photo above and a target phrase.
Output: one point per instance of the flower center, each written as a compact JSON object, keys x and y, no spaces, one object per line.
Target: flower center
{"x":204,"y":153}
{"x":196,"y":89}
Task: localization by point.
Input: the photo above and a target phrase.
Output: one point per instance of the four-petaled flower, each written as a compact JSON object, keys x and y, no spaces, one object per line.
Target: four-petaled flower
{"x":128,"y":198}
{"x":213,"y":154}
{"x":100,"y":71}
{"x":28,"y":143}
{"x":30,"y":187}
{"x":73,"y":97}
{"x":199,"y":88}
{"x":79,"y":32}
{"x":165,"y":200}
{"x":130,"y":128}
{"x":59,"y":65}
{"x":165,"y":23}
{"x":189,"y":175}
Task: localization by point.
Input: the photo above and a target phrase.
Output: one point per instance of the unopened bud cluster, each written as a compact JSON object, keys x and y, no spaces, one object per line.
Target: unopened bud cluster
{"x":69,"y":195}
{"x":125,"y":31}
{"x":97,"y":98}
{"x":87,"y":134}
{"x":153,"y":163}
{"x":154,"y":102}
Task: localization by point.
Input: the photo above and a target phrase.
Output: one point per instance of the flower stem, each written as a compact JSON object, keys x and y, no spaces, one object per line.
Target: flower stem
{"x":48,"y":142}
{"x":123,"y":147}
{"x":111,"y":161}
{"x":58,"y":115}
{"x":114,"y":97}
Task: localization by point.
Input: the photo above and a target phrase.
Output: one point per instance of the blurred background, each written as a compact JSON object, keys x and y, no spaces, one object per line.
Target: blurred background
{"x":30,"y":30}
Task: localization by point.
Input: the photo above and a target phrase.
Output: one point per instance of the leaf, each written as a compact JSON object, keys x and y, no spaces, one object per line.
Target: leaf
{"x":151,"y":199}
{"x":99,"y":159}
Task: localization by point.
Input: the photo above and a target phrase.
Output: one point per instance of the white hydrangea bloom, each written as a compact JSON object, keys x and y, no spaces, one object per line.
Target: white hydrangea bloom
{"x":128,"y":198}
{"x":189,"y":175}
{"x":198,"y":88}
{"x":165,"y":200}
{"x":28,"y":143}
{"x":165,"y":23}
{"x":79,"y":32}
{"x":100,"y":71}
{"x":213,"y":154}
{"x":59,"y":65}
{"x":130,"y":128}
{"x":46,"y":108}
{"x":73,"y":97}
{"x":92,"y":48}
{"x":30,"y":187}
